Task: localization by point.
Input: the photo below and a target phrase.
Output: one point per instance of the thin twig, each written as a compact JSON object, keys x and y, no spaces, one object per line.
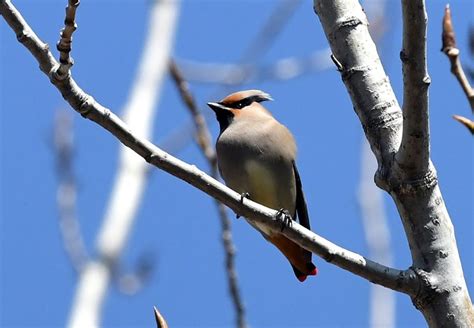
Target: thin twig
{"x":414,"y":153}
{"x":270,"y":30}
{"x":66,"y":194}
{"x":405,"y":281}
{"x":281,"y":70}
{"x":131,"y":282}
{"x":65,"y":42}
{"x":466,"y":122}
{"x":204,"y":141}
{"x":452,"y":52}
{"x":202,"y":136}
{"x":160,"y":320}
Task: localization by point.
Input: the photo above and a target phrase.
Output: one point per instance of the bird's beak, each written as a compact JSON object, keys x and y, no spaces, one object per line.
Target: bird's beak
{"x":216,"y":107}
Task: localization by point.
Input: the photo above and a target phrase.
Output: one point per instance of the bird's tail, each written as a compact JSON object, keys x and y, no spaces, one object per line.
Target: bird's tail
{"x":300,"y":259}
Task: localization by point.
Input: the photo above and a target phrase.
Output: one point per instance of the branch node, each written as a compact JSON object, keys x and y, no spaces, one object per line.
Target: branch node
{"x":427,"y":289}
{"x":329,"y":256}
{"x":350,"y":72}
{"x":427,"y":81}
{"x":448,"y":36}
{"x":403,"y":56}
{"x":23,"y":36}
{"x":65,"y":42}
{"x":382,"y":118}
{"x":336,"y":62}
{"x":56,"y":76}
{"x":86,"y":106}
{"x":349,"y":21}
{"x":412,"y":186}
{"x":149,"y":158}
{"x":453,"y":52}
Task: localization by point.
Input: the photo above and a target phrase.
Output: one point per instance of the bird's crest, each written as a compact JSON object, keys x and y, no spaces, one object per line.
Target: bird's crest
{"x":241,"y":99}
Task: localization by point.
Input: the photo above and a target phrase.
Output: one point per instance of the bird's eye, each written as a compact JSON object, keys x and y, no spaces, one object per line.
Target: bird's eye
{"x":243,"y":103}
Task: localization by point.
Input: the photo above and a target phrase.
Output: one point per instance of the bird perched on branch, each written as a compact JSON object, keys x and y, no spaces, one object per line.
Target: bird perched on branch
{"x":256,"y":157}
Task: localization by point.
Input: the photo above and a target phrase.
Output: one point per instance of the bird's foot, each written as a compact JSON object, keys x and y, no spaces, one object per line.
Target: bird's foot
{"x":285,"y":218}
{"x":242,"y":196}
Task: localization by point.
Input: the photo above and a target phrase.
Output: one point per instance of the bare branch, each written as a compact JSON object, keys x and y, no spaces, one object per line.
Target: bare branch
{"x":345,"y":24}
{"x":131,"y":282}
{"x":404,"y":281}
{"x":204,"y":141}
{"x":270,"y":30}
{"x":66,"y":194}
{"x":233,"y":74}
{"x":414,"y":152}
{"x":65,"y":43}
{"x":466,"y":122}
{"x":442,"y":297}
{"x":202,"y":136}
{"x":450,"y":49}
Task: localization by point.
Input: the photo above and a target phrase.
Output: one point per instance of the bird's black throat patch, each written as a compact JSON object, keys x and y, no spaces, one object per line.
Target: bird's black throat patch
{"x":224,"y":117}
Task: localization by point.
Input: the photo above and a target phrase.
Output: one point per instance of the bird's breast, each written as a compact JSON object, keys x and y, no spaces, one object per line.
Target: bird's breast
{"x":257,"y":162}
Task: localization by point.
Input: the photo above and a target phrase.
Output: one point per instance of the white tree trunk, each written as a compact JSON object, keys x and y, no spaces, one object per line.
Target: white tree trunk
{"x":139,"y":114}
{"x":401,"y":146}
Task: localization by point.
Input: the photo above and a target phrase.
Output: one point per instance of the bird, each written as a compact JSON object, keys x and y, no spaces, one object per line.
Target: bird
{"x":256,"y":157}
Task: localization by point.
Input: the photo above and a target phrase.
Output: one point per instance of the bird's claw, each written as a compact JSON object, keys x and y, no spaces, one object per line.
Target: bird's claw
{"x":285,"y":218}
{"x":242,"y":196}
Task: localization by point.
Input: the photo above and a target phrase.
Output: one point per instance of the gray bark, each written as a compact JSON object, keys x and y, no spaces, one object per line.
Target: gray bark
{"x":401,"y":146}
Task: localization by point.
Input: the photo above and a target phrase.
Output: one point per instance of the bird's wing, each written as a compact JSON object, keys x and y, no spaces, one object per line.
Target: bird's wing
{"x":301,"y":209}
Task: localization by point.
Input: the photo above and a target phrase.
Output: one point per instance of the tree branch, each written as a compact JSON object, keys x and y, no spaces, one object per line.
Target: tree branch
{"x":233,"y":74}
{"x":414,"y":152}
{"x":160,"y":320}
{"x":65,"y":42}
{"x":66,"y":193}
{"x":203,"y":140}
{"x":452,"y":52}
{"x":443,"y":297}
{"x":345,"y":26}
{"x":466,"y":122}
{"x":404,"y":281}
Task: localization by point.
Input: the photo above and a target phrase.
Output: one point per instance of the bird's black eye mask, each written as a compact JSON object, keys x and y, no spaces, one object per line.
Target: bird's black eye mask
{"x":246,"y":101}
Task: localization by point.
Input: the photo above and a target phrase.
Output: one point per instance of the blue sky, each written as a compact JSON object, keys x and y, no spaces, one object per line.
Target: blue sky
{"x":178,"y":223}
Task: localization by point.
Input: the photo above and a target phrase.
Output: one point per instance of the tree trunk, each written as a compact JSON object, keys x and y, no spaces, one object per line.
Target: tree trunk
{"x":401,"y":146}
